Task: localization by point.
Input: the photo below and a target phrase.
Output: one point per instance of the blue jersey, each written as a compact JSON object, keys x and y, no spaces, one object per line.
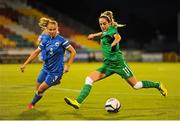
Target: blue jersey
{"x":43,"y":38}
{"x":52,"y":52}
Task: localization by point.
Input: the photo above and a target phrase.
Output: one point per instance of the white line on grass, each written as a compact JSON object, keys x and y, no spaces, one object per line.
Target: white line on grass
{"x":72,"y":90}
{"x":53,"y":88}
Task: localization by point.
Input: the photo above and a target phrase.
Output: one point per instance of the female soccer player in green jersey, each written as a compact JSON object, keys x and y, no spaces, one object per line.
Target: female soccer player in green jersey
{"x":113,"y":62}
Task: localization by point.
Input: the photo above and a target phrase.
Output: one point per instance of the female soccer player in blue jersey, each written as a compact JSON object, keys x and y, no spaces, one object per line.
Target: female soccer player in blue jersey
{"x":52,"y":48}
{"x":113,"y":62}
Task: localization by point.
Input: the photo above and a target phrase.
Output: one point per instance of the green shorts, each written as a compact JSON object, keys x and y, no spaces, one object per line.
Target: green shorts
{"x":120,"y":68}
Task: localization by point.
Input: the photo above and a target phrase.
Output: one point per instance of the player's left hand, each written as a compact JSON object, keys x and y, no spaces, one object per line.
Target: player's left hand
{"x":66,"y":68}
{"x":113,"y":44}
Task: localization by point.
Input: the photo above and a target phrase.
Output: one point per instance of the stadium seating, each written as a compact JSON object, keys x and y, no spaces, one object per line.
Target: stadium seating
{"x":6,"y":43}
{"x":10,"y":13}
{"x":82,"y":40}
{"x":24,"y":18}
{"x":9,"y":30}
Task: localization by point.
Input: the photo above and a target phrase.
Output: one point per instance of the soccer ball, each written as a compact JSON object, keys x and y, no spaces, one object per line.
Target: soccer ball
{"x":112,"y":105}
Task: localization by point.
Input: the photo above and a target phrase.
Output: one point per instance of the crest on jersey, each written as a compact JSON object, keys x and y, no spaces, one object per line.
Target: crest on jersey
{"x":57,"y":44}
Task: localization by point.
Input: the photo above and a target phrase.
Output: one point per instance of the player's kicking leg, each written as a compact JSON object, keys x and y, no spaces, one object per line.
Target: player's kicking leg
{"x":162,"y":89}
{"x":147,"y":84}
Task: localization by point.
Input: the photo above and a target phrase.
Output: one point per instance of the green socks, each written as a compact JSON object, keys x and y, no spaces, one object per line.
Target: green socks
{"x":84,"y":93}
{"x":150,"y":84}
{"x":87,"y":88}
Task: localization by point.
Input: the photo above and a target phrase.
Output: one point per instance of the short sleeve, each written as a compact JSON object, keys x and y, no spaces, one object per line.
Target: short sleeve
{"x":65,"y":43}
{"x":111,"y":31}
{"x":43,"y":38}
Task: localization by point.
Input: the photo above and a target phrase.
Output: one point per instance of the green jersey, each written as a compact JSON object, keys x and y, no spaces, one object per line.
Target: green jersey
{"x":110,"y":54}
{"x":114,"y":61}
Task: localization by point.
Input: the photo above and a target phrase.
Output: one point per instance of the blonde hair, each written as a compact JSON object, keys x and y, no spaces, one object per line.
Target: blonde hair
{"x":109,"y":16}
{"x":43,"y":22}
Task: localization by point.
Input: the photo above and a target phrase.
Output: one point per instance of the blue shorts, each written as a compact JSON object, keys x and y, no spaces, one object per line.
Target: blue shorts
{"x":51,"y":79}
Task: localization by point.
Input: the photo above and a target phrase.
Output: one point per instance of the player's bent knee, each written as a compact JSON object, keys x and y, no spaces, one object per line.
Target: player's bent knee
{"x":138,"y":85}
{"x":89,"y":81}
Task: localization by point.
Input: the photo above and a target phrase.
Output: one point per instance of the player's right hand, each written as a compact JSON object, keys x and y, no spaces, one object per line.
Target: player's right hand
{"x":22,"y":68}
{"x":90,"y":36}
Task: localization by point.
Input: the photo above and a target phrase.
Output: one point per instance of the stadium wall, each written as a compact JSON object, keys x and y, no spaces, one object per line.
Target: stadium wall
{"x":20,"y":55}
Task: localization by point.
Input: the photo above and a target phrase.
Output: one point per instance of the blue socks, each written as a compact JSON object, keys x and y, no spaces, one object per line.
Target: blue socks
{"x":36,"y":98}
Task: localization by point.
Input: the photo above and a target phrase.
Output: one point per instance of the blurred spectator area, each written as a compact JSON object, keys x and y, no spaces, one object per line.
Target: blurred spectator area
{"x":19,"y":23}
{"x":19,"y":32}
{"x":8,"y":29}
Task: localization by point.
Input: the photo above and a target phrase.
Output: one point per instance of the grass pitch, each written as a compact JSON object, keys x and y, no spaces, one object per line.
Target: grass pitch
{"x":17,"y":90}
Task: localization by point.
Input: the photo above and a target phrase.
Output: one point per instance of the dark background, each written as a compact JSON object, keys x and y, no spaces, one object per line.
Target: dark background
{"x":145,"y":19}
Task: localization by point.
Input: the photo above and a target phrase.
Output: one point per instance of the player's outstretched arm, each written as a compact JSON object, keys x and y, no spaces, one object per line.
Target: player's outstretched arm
{"x":33,"y":55}
{"x":91,"y":36}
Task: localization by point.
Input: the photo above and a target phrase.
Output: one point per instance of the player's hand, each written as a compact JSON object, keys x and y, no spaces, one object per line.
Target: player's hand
{"x":113,"y":44}
{"x":22,"y":68}
{"x":66,"y":68}
{"x":90,"y":36}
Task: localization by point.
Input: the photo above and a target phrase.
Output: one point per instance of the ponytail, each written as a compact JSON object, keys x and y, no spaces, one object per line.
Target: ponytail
{"x":109,"y":16}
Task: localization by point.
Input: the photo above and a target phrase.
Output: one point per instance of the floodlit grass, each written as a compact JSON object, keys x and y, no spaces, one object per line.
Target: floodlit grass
{"x":17,"y":90}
